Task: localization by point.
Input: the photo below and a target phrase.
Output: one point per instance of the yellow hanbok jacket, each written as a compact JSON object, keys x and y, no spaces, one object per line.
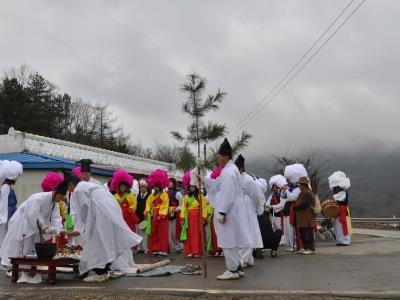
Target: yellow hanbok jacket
{"x":130,"y":198}
{"x":162,"y":203}
{"x":195,"y":205}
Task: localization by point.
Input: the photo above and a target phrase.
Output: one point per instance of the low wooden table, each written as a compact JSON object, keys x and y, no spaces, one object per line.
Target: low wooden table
{"x":52,"y":265}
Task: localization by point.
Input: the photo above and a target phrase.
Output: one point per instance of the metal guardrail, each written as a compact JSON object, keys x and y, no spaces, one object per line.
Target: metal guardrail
{"x":371,"y":220}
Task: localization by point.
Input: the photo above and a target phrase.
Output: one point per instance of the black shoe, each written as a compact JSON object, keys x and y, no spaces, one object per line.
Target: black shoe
{"x":259,"y":254}
{"x":274,"y":254}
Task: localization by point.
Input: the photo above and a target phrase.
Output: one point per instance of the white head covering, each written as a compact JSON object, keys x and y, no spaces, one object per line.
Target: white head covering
{"x":193,"y":178}
{"x":10,"y":169}
{"x":135,"y":187}
{"x":277,"y":180}
{"x":294,"y":172}
{"x":339,"y":179}
{"x":143,"y":182}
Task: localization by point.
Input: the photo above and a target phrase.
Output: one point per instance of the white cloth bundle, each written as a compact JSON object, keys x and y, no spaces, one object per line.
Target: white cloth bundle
{"x":339,"y":179}
{"x":294,"y":172}
{"x":10,"y":169}
{"x":277,"y":180}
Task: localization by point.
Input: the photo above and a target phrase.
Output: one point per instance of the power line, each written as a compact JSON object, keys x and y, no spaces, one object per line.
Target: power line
{"x":291,"y":69}
{"x":301,"y":68}
{"x":262,"y":104}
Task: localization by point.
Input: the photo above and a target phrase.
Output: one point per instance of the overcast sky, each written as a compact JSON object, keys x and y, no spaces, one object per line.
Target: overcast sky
{"x":134,"y":55}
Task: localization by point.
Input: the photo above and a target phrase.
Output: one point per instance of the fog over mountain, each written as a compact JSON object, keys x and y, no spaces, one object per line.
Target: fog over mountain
{"x":374,"y":175}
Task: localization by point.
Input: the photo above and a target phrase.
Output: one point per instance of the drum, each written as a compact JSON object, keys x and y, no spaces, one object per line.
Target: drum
{"x":330,"y":209}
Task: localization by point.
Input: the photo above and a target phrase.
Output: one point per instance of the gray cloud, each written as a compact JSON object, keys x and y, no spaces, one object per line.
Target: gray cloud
{"x":134,"y":55}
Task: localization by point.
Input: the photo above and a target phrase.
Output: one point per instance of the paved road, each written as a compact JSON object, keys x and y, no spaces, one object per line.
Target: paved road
{"x":370,"y":269}
{"x":378,"y":232}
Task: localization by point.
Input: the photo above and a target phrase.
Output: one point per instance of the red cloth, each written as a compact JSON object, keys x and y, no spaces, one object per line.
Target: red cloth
{"x":291,"y":215}
{"x":158,"y":240}
{"x":178,"y":226}
{"x":129,"y":216}
{"x":343,"y":218}
{"x":193,"y":243}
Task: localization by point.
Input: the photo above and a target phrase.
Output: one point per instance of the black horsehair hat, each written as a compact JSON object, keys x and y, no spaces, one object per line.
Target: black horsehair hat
{"x":62,"y":188}
{"x":225,"y":149}
{"x":70,"y":177}
{"x":239,"y":162}
{"x":85,"y":165}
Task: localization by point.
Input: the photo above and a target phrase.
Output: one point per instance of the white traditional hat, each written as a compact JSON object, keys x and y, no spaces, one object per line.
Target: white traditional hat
{"x":294,"y":172}
{"x":11,"y":169}
{"x":277,"y":180}
{"x":339,"y":179}
{"x":193,"y":178}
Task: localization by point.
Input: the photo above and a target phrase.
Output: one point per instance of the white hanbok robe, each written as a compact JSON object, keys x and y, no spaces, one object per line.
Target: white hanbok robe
{"x":23,"y":225}
{"x":340,"y":237}
{"x":288,"y":229}
{"x":105,"y":236}
{"x":275,"y":220}
{"x":92,"y":180}
{"x":226,"y":196}
{"x":252,"y":200}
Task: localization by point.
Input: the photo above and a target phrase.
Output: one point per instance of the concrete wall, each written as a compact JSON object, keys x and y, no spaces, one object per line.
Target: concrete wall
{"x":29,"y":183}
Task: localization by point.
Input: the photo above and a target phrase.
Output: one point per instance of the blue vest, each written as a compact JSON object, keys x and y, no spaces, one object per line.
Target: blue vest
{"x":172,"y":198}
{"x":12,"y":203}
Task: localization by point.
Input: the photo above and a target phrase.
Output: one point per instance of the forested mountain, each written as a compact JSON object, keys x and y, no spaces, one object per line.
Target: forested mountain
{"x":31,"y":103}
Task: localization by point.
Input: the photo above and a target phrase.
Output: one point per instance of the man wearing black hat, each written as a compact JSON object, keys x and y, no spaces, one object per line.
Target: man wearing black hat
{"x":40,"y":208}
{"x":229,"y":218}
{"x":253,"y":200}
{"x":86,"y":171}
{"x":107,"y":239}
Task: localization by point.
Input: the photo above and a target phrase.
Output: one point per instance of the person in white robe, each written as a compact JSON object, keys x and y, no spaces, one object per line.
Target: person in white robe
{"x":339,"y":184}
{"x":9,"y":172}
{"x":106,"y":238}
{"x":23,"y":233}
{"x":277,"y":183}
{"x":290,"y":194}
{"x":229,"y":220}
{"x":253,"y":200}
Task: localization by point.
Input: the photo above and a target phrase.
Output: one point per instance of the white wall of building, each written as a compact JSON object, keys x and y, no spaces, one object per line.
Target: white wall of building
{"x":29,"y":183}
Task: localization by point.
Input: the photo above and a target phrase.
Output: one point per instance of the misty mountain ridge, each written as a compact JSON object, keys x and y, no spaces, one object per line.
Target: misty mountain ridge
{"x":374,"y":176}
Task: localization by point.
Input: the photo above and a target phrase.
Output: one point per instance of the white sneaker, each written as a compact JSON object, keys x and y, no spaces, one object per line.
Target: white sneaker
{"x":24,"y":278}
{"x":301,"y":251}
{"x":164,"y":254}
{"x":306,"y":252}
{"x":310,"y":252}
{"x":96,"y":278}
{"x":36,"y":279}
{"x":289,"y":249}
{"x":9,"y":274}
{"x":244,"y":265}
{"x":227,"y":275}
{"x":241,"y":273}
